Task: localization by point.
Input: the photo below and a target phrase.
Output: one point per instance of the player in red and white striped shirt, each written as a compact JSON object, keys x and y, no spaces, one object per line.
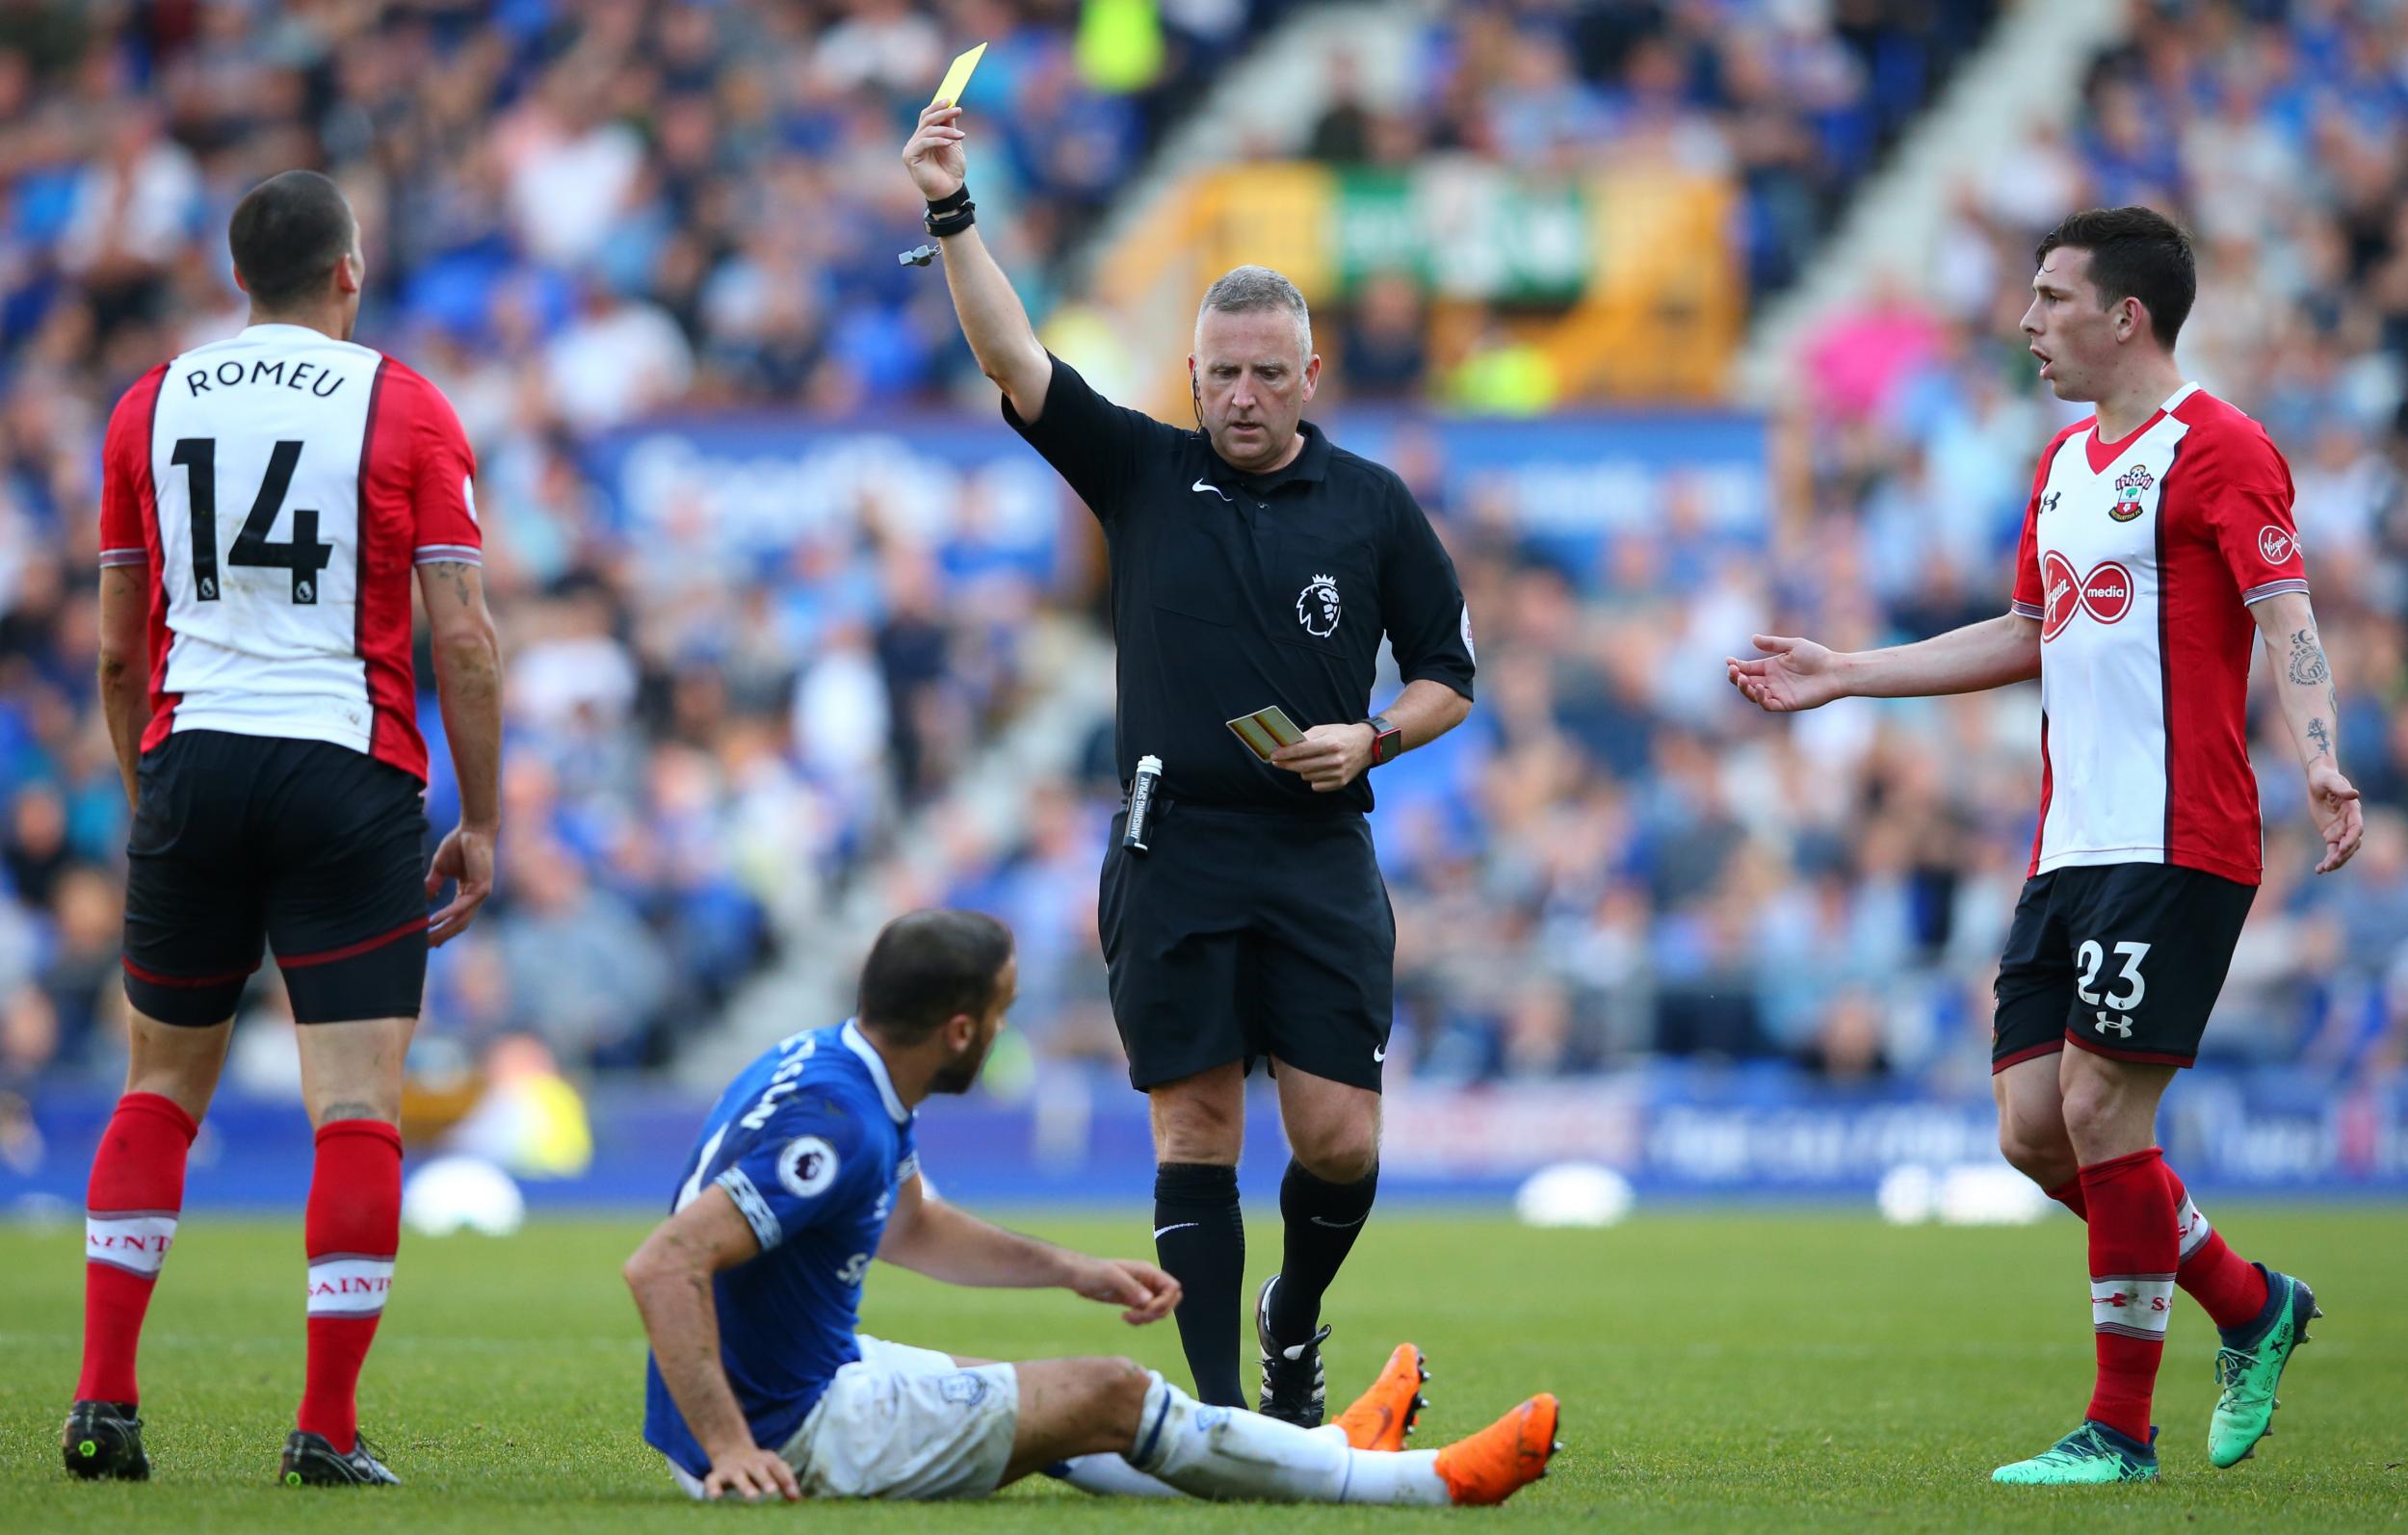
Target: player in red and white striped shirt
{"x":2158,"y":539}
{"x":266,"y":503}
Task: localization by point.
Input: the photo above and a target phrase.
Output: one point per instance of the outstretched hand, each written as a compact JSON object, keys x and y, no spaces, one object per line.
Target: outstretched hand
{"x":1793,"y":674}
{"x":1145,"y":1292}
{"x":934,"y":155}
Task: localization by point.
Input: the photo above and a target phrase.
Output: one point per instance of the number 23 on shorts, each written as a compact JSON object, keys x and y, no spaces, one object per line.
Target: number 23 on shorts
{"x":2125,"y":989}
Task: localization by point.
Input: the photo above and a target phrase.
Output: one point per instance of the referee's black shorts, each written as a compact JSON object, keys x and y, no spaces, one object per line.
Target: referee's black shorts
{"x":315,"y":849}
{"x":1246,"y":933}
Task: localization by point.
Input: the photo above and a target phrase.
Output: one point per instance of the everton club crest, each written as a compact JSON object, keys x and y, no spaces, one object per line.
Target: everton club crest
{"x":2129,"y":488}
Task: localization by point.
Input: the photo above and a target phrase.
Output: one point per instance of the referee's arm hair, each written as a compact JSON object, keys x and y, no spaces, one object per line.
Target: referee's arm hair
{"x":992,"y":320}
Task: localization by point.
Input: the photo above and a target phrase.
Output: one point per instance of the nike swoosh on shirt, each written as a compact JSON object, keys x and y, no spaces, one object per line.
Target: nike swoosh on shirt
{"x":1161,"y":1231}
{"x":1379,"y":1054}
{"x":1206,"y":484}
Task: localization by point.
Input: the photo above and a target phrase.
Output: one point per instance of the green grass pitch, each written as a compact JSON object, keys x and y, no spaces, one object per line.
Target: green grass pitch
{"x":1717,"y":1371}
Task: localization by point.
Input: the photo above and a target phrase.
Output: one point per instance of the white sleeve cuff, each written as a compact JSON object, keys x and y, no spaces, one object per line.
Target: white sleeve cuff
{"x":755,"y":1209}
{"x":2272,"y":589}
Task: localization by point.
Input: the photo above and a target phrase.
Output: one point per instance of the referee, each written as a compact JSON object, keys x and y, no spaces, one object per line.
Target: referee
{"x":1252,"y":564}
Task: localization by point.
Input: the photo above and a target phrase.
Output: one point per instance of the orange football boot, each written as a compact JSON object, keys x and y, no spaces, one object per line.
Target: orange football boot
{"x":1383,"y":1415}
{"x":1505,"y":1457}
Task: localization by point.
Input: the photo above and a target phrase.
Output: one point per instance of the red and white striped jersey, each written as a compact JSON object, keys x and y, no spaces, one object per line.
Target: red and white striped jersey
{"x":2141,"y":558}
{"x":281,"y":486}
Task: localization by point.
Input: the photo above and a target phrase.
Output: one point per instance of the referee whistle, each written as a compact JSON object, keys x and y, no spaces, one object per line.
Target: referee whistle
{"x":1141,"y":801}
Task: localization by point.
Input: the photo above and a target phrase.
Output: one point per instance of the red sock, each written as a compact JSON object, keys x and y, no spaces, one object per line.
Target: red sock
{"x":2133,"y":1252}
{"x":2231,"y":1288}
{"x":130,"y":1211}
{"x":2232,"y":1291}
{"x":353,"y":1225}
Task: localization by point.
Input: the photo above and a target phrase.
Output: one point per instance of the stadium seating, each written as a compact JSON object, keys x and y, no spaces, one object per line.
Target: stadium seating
{"x":587,"y":217}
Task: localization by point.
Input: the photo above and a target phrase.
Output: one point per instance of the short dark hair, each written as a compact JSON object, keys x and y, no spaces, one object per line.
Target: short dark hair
{"x":927,"y":965}
{"x":287,"y":234}
{"x":2134,"y":253}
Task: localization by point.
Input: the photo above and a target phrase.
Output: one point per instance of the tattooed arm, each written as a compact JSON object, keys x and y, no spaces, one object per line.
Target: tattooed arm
{"x":2303,"y":679}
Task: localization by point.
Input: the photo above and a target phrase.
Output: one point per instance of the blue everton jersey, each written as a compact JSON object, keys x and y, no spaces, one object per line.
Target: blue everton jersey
{"x":811,"y":1143}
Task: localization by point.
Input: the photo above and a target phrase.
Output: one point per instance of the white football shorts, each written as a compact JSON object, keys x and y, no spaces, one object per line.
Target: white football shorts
{"x":903,"y":1423}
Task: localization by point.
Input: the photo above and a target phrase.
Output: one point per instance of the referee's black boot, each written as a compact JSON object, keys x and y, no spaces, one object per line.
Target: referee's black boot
{"x":311,"y":1460}
{"x":104,"y":1440}
{"x":1292,"y":1388}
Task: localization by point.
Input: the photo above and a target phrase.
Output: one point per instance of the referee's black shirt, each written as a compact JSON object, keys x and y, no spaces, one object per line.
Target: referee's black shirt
{"x":1231,"y":592}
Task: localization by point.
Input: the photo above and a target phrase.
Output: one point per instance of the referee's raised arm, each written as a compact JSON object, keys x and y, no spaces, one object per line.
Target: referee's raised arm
{"x":992,"y":320}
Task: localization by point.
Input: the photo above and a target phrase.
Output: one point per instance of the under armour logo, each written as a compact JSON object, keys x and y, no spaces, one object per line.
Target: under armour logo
{"x":2048,"y":503}
{"x":2123,"y":1027}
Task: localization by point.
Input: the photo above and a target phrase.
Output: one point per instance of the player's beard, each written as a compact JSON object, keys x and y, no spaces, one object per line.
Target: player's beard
{"x":960,"y":1073}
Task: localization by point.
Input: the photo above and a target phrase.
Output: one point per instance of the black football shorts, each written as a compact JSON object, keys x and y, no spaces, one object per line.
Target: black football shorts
{"x":1245,"y":933}
{"x":2124,"y":960}
{"x":312,"y":847}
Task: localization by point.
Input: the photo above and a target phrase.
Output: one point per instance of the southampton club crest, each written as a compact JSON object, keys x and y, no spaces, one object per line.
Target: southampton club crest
{"x":2130,"y":486}
{"x":1316,"y":606}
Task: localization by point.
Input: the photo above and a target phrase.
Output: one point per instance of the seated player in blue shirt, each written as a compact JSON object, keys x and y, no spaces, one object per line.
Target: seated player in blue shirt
{"x":760,"y":1385}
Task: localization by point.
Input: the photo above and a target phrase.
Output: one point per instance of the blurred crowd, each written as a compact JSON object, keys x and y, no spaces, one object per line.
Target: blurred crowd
{"x":1791,"y":104}
{"x":573,"y":212}
{"x":1616,"y":860}
{"x":579,"y":212}
{"x":2275,"y":132}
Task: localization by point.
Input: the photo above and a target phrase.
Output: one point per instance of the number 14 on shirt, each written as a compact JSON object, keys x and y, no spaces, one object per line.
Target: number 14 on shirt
{"x":304,"y":555}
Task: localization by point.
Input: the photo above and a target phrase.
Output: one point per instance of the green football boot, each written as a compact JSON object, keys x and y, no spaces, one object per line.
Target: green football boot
{"x":2091,"y":1453}
{"x":2250,"y":1365}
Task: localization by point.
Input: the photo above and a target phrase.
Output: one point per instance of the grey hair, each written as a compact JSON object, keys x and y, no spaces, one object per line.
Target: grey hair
{"x":1243,"y":289}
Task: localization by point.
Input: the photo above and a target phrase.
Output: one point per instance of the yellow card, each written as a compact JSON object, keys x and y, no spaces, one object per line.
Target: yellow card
{"x":1265,"y":730}
{"x":957,"y":77}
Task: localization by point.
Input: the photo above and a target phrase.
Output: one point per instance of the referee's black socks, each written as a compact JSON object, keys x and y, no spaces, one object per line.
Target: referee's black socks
{"x":1199,"y":1239}
{"x":1322,"y":1221}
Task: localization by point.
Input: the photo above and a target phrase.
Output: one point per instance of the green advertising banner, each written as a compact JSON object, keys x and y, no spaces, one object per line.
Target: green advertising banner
{"x":1468,"y":231}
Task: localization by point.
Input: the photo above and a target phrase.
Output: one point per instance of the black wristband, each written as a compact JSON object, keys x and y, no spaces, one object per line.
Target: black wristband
{"x":952,"y":215}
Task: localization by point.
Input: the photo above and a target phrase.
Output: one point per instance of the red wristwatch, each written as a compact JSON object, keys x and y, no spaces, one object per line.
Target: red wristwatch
{"x":1387,"y":739}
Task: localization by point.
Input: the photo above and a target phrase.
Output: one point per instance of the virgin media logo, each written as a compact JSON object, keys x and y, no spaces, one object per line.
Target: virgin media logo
{"x":2106,"y":594}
